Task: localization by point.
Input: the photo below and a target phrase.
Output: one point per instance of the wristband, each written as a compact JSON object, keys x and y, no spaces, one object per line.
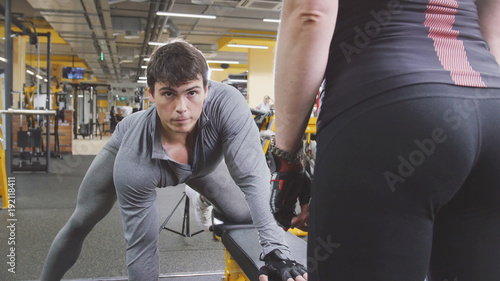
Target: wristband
{"x":285,"y":155}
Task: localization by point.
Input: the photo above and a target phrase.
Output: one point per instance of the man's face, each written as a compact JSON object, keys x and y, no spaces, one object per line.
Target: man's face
{"x":179,"y":108}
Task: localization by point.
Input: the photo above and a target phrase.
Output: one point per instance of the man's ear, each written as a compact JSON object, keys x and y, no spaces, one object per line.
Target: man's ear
{"x":150,"y":95}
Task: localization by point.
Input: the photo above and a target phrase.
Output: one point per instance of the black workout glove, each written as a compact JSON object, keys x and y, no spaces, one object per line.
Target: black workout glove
{"x":289,"y":181}
{"x":278,"y":266}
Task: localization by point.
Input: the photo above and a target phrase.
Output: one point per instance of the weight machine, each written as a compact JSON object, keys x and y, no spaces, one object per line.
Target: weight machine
{"x":85,"y":116}
{"x":30,"y":141}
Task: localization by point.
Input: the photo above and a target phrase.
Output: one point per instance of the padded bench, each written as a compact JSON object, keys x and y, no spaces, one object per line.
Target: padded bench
{"x":242,"y":243}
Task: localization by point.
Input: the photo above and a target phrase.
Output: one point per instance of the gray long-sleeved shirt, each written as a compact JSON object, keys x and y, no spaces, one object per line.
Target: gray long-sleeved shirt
{"x":226,"y":130}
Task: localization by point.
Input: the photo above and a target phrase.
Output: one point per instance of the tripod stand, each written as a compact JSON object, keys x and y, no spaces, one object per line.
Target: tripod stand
{"x":185,"y":219}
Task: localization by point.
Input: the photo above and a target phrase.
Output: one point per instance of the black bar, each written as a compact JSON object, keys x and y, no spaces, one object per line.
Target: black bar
{"x":75,"y":111}
{"x":7,"y":102}
{"x":14,"y":21}
{"x":91,"y":110}
{"x":47,"y":101}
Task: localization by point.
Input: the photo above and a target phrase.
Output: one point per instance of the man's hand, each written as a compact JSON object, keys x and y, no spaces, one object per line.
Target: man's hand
{"x":302,"y":220}
{"x":289,"y":182}
{"x":282,"y":268}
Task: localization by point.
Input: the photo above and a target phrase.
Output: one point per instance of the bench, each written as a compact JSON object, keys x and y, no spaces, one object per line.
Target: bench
{"x":243,"y":249}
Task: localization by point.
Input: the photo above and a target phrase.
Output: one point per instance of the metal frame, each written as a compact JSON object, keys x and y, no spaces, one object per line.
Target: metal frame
{"x":185,"y":232}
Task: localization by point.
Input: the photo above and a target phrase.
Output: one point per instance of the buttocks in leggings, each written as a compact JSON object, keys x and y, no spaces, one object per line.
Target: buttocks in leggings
{"x":409,"y":184}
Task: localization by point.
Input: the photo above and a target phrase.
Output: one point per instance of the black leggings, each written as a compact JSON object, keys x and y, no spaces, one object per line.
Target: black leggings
{"x":407,"y":185}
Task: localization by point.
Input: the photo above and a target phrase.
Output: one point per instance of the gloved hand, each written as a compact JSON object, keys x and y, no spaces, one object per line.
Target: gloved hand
{"x":289,"y":181}
{"x":278,"y":266}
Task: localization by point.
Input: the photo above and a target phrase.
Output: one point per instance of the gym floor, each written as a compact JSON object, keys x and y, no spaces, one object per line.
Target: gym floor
{"x":45,"y":201}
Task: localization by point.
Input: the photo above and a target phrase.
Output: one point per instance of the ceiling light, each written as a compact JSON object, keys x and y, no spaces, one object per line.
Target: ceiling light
{"x":272,"y":20}
{"x":202,"y":2}
{"x":144,"y":66}
{"x":30,"y":72}
{"x":146,"y":59}
{"x":238,"y":80}
{"x":142,"y":81}
{"x":223,"y":61}
{"x":157,"y":43}
{"x":143,"y":77}
{"x":3,"y":59}
{"x":168,"y":14}
{"x":39,"y":77}
{"x":248,"y":46}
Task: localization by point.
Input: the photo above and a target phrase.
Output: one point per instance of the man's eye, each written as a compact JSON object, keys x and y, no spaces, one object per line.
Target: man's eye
{"x":168,"y":94}
{"x":193,"y":93}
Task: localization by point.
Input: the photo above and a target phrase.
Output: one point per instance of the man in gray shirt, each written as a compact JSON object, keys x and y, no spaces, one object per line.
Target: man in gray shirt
{"x":194,"y":124}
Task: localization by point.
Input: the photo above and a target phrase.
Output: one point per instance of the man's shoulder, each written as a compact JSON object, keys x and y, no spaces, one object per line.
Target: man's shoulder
{"x":222,"y":92}
{"x":138,"y":117}
{"x":221,"y":87}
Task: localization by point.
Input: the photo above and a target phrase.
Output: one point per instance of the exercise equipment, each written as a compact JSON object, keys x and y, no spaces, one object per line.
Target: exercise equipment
{"x":35,"y":124}
{"x":185,"y":231}
{"x":3,"y":161}
{"x":242,"y":251}
{"x":31,"y":138}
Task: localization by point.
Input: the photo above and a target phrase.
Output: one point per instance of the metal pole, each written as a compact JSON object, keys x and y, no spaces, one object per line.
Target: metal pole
{"x":91,"y":119}
{"x":75,"y":111}
{"x":47,"y":101}
{"x":12,"y":111}
{"x":7,"y":102}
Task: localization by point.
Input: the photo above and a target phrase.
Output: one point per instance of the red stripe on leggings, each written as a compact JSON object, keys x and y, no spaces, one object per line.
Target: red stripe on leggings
{"x":439,"y":18}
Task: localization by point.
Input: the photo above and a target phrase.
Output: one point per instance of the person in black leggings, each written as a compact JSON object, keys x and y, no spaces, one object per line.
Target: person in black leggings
{"x":407,"y":181}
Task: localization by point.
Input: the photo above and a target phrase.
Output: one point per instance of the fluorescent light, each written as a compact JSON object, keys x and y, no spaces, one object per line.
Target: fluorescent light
{"x":80,"y":96}
{"x":30,"y":72}
{"x":272,"y":20}
{"x":248,"y":46}
{"x":144,"y":66}
{"x":3,"y":59}
{"x":238,"y":80}
{"x":223,"y":61}
{"x":45,"y":80}
{"x":142,"y":81}
{"x":168,"y":14}
{"x":143,"y":77}
{"x":216,"y":69}
{"x":39,"y":77}
{"x":146,"y":59}
{"x":157,"y":43}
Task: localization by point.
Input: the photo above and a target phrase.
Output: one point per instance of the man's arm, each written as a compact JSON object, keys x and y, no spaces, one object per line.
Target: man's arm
{"x":246,"y":163}
{"x":489,"y":21}
{"x":300,"y":64}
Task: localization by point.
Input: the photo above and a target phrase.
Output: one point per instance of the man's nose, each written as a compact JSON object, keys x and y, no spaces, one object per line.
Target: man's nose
{"x":180,"y":106}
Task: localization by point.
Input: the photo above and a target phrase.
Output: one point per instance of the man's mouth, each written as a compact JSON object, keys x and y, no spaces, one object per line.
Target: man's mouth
{"x":181,"y":120}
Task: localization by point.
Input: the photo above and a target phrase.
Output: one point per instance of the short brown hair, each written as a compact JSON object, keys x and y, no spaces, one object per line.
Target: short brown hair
{"x":176,"y":63}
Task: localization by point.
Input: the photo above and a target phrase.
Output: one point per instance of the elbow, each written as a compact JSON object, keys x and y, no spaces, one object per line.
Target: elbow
{"x":310,"y":18}
{"x":310,"y":15}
